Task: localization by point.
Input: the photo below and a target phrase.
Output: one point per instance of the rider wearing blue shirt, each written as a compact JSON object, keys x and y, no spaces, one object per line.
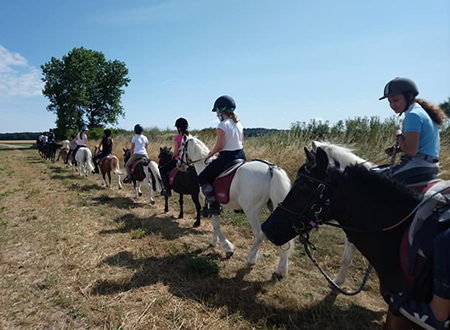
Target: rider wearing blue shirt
{"x":419,"y":139}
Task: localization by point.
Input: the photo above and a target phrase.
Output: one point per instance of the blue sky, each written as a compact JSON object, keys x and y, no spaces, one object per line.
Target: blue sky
{"x":283,"y":61}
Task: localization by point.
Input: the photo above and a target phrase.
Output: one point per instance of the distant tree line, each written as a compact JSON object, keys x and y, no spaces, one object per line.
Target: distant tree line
{"x":19,"y":136}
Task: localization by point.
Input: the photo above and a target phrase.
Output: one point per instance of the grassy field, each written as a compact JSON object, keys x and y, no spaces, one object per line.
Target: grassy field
{"x":74,"y":255}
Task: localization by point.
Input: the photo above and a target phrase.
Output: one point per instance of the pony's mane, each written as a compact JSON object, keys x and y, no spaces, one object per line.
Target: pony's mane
{"x":204,"y":150}
{"x":340,"y":154}
{"x":380,"y":185}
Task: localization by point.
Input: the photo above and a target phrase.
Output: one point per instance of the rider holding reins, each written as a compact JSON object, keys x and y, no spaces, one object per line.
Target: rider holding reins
{"x":138,"y":149}
{"x":419,"y":138}
{"x":105,"y":149}
{"x":229,"y":145}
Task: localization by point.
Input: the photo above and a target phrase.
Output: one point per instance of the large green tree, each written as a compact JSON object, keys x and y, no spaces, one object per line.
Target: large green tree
{"x":446,"y":107}
{"x":84,"y":88}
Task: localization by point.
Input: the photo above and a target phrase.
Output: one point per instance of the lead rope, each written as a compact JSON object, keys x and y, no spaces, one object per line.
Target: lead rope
{"x":306,"y":243}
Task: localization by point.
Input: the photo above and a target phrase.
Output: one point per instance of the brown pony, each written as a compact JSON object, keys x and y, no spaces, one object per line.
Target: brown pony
{"x":107,"y":165}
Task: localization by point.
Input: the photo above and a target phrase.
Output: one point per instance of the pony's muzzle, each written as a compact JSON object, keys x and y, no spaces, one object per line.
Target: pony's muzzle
{"x":279,"y":228}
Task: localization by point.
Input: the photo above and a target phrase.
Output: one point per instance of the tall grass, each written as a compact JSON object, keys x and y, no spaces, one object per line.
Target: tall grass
{"x":368,"y":136}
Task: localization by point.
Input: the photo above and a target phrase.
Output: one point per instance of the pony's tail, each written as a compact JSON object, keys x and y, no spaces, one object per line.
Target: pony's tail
{"x":115,"y":166}
{"x":279,"y":186}
{"x":153,"y":167}
{"x":90,"y":165}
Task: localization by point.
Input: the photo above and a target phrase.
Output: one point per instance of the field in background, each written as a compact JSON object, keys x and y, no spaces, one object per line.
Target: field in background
{"x":74,"y":255}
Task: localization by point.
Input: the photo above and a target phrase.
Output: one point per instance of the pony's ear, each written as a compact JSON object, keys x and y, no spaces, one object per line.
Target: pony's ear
{"x":170,"y":148}
{"x":124,"y":150}
{"x":309,"y":156}
{"x":322,"y":160}
{"x":160,"y":148}
{"x":314,"y":146}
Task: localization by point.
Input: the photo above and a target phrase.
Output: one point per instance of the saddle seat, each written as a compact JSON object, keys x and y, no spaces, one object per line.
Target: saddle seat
{"x":135,"y":165}
{"x":223,"y":181}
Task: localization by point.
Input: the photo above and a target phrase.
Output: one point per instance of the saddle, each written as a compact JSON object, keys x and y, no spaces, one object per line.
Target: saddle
{"x":172,"y":175}
{"x":102,"y":160}
{"x":137,"y":169}
{"x":223,"y":181}
{"x":417,"y":246}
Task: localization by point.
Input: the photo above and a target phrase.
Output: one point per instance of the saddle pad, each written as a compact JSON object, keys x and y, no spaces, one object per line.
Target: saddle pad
{"x":172,"y":175}
{"x":222,"y":187}
{"x":405,"y":249}
{"x":426,"y":209}
{"x":102,"y":160}
{"x":422,"y":187}
{"x":135,"y":164}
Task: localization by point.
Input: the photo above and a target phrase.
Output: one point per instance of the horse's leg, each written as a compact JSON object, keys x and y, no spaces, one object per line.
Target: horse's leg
{"x":118,"y":179}
{"x":346,"y":261}
{"x":198,"y":208}
{"x":150,"y":191}
{"x":252,"y":213}
{"x":180,"y":216}
{"x":227,"y":245}
{"x":166,"y":204}
{"x":109,"y":179}
{"x":137,"y":189}
{"x":104,"y":179}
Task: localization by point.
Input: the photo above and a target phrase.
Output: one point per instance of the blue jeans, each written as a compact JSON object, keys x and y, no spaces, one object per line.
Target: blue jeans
{"x":210,"y":173}
{"x":441,"y":281}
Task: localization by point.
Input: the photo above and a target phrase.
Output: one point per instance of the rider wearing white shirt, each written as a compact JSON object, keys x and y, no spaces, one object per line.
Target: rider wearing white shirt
{"x":229,"y":145}
{"x":138,"y":150}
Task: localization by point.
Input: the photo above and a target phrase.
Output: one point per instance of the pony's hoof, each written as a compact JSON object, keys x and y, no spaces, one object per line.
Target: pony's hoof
{"x":196,"y":224}
{"x":140,"y":194}
{"x":166,"y":210}
{"x":152,"y":202}
{"x":277,"y":277}
{"x":180,"y":216}
{"x":120,"y":187}
{"x":228,"y":255}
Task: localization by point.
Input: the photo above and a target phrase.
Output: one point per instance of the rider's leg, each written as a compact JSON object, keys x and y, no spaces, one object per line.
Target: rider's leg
{"x":206,"y":180}
{"x":128,"y":164}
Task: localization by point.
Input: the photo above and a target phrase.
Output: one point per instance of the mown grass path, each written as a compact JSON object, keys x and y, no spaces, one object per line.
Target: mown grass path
{"x":74,"y":255}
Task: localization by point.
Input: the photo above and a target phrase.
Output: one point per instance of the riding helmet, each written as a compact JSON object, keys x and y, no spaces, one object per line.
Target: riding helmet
{"x":84,"y":128}
{"x":400,"y":86}
{"x":138,"y":129}
{"x":107,"y":132}
{"x":181,"y":123}
{"x":224,"y":102}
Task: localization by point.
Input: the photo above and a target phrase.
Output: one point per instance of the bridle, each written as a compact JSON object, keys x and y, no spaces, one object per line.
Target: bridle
{"x":184,"y":155}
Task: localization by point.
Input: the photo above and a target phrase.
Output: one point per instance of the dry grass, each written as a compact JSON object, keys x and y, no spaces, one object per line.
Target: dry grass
{"x":74,"y":255}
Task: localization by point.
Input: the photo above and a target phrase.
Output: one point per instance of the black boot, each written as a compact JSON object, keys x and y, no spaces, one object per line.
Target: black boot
{"x":211,"y":201}
{"x":95,"y":170}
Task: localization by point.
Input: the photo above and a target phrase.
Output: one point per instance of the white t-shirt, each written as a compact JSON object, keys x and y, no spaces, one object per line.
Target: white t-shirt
{"x":81,"y":139}
{"x":140,"y":141}
{"x":234,"y":134}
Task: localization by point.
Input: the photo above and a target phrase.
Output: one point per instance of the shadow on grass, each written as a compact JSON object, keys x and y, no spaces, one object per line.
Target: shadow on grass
{"x":119,"y":202}
{"x":168,"y":227}
{"x":65,"y":177}
{"x":241,"y":297}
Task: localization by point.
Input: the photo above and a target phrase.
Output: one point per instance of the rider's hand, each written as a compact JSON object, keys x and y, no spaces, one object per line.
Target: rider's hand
{"x":389,"y":151}
{"x":178,"y":163}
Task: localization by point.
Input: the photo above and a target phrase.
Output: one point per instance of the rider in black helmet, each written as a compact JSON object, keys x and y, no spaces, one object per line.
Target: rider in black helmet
{"x":419,"y":137}
{"x":138,"y":149}
{"x":105,"y":148}
{"x":229,"y":145}
{"x":182,"y":126}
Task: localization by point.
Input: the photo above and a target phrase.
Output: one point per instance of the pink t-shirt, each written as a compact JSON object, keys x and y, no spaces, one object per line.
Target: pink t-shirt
{"x":178,"y":140}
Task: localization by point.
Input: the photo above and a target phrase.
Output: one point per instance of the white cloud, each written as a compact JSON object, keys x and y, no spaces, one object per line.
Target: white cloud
{"x":17,"y":77}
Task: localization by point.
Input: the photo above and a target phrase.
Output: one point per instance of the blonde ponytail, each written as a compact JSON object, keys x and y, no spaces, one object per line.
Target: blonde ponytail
{"x":233,"y":115}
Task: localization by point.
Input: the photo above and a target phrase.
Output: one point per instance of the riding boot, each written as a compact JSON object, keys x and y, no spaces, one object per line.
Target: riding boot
{"x":166,"y":187}
{"x":211,"y":201}
{"x":95,"y":170}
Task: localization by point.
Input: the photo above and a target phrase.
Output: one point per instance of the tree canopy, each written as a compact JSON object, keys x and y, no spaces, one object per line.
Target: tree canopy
{"x":84,"y":89}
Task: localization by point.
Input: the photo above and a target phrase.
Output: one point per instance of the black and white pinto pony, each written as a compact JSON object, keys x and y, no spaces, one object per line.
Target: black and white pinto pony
{"x":145,"y":171}
{"x":373,"y":210}
{"x":83,"y":159}
{"x":254,"y":185}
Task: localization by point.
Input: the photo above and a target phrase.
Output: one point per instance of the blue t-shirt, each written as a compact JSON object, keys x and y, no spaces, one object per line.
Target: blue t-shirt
{"x":418,"y":120}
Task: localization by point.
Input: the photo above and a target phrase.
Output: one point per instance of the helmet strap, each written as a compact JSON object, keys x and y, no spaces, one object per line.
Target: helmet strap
{"x":221,"y":112}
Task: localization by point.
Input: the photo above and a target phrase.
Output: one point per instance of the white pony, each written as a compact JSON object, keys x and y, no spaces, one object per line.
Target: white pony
{"x":254,"y":185}
{"x":345,"y":157}
{"x":83,"y":158}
